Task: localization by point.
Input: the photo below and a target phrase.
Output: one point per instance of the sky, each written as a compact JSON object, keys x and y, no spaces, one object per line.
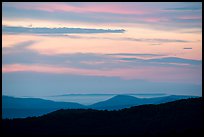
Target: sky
{"x":101,"y":48}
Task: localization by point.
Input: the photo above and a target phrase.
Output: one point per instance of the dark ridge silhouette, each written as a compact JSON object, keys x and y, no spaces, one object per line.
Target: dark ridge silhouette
{"x":177,"y":118}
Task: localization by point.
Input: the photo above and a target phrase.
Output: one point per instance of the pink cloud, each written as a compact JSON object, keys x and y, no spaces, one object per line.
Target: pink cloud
{"x":155,"y":19}
{"x":92,"y":62}
{"x":162,"y":74}
{"x":90,"y":7}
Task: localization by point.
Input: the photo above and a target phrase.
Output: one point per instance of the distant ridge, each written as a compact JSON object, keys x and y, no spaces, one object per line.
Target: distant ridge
{"x":13,"y":107}
{"x":13,"y":102}
{"x":153,"y":94}
{"x":125,"y":101}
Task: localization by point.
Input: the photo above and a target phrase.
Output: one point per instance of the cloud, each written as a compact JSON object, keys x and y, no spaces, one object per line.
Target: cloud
{"x":197,"y":31}
{"x":176,"y":60}
{"x":64,"y":30}
{"x":135,"y":54}
{"x":157,"y":41}
{"x":166,"y":61}
{"x":115,"y":8}
{"x":22,"y":54}
{"x":148,"y":15}
{"x":149,"y":40}
{"x":80,"y":60}
{"x":154,"y":73}
{"x":155,"y":44}
{"x":103,"y":13}
{"x":184,"y":9}
{"x":105,"y":65}
{"x":101,"y":65}
{"x":144,"y":39}
{"x":190,"y":17}
{"x":17,"y":54}
{"x":17,"y":48}
{"x":187,"y":48}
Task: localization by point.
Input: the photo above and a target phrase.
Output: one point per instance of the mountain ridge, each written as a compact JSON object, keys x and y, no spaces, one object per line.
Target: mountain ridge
{"x":122,"y":101}
{"x":24,"y":107}
{"x":181,"y":117}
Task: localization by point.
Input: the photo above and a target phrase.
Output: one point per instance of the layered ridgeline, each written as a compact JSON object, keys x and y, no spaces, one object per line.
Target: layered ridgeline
{"x":25,"y":107}
{"x":177,"y":118}
{"x":126,"y":101}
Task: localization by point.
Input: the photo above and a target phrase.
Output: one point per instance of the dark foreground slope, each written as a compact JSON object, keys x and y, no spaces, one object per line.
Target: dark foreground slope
{"x":181,"y":117}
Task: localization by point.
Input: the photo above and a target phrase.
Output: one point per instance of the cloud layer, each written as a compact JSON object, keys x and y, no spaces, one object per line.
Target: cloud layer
{"x":18,"y":30}
{"x":172,"y":14}
{"x":87,"y":47}
{"x":122,"y":65}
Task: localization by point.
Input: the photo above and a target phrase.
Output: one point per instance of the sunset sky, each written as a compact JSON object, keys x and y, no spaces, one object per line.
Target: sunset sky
{"x":69,"y":48}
